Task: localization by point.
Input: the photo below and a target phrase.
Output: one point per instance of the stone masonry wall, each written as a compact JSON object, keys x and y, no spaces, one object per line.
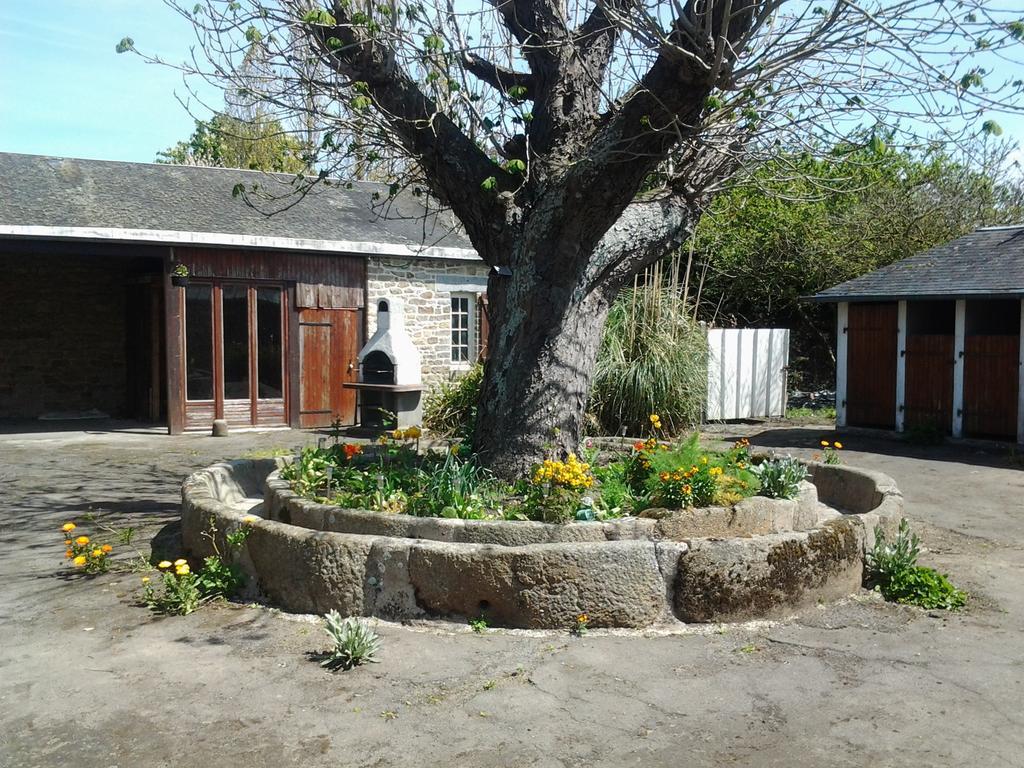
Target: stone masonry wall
{"x":62,"y":335}
{"x":426,"y":287}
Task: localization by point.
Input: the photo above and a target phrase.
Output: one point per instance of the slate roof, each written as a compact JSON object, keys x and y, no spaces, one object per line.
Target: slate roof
{"x":128,"y":200}
{"x":988,"y":262}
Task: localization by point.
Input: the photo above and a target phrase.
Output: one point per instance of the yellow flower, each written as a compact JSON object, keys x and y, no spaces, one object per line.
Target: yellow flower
{"x":68,"y":527}
{"x":837,"y":444}
{"x":107,"y":548}
{"x":82,"y":540}
{"x":703,"y":459}
{"x":145,"y":579}
{"x":182,"y":570}
{"x":413,"y":433}
{"x":164,"y":564}
{"x":97,"y":553}
{"x":79,"y":561}
{"x":250,"y":519}
{"x":654,"y":418}
{"x":824,"y":443}
{"x":180,"y":562}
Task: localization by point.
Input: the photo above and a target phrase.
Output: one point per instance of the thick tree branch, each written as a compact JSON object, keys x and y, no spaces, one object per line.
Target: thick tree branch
{"x":500,"y":78}
{"x":453,"y":165}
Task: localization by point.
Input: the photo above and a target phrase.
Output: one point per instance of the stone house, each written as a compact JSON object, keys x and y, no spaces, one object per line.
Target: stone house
{"x":268,"y":328}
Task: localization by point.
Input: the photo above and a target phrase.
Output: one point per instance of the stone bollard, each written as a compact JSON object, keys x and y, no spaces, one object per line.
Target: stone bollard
{"x":220,"y":428}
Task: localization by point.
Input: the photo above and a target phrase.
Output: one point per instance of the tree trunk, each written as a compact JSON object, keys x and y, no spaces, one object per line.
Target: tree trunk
{"x":544,"y":341}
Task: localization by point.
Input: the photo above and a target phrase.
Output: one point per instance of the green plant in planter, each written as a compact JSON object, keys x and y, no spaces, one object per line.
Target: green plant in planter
{"x":180,"y":270}
{"x":354,"y":642}
{"x":893,"y":571}
{"x":780,"y":478}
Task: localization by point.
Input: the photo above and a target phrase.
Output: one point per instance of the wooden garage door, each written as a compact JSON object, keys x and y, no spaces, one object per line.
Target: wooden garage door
{"x":871,"y":365}
{"x":991,"y":372}
{"x":928,"y":401}
{"x":329,"y":341}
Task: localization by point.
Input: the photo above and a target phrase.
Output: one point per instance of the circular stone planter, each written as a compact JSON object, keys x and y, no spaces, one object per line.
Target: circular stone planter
{"x":761,"y":558}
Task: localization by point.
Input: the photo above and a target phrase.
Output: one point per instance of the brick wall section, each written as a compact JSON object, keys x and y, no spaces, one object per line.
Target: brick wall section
{"x":426,"y":287}
{"x":62,"y":335}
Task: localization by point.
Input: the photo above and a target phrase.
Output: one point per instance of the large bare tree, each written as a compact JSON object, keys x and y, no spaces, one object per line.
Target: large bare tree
{"x":579,"y":141}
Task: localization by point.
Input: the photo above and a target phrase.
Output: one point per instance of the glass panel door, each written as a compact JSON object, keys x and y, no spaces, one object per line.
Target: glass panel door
{"x":199,"y":373}
{"x":269,"y":361}
{"x":235,"y":335}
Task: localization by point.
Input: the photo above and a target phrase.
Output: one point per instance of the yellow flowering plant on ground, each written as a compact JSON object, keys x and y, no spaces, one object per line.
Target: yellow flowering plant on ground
{"x":830,"y":451}
{"x":83,"y":553}
{"x":184,"y":590}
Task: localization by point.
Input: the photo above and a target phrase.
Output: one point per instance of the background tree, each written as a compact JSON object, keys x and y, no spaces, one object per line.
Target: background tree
{"x":256,"y":143}
{"x":579,"y":141}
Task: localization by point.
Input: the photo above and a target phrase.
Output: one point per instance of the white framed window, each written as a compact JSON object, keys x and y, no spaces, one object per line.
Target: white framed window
{"x":463,"y":329}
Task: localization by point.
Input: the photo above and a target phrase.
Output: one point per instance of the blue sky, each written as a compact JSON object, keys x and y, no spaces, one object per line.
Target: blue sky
{"x":64,"y":91}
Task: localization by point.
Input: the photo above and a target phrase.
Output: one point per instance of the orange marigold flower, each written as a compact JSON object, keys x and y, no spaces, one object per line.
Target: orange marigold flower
{"x":82,"y":540}
{"x":664,"y":476}
{"x":107,"y":548}
{"x":68,"y":554}
{"x":67,"y":542}
{"x":638,"y":445}
{"x":68,"y":527}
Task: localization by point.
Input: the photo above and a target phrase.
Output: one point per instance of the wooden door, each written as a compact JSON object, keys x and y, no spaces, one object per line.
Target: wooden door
{"x":928,"y":400}
{"x":991,"y":374}
{"x":871,"y":365}
{"x":329,"y":341}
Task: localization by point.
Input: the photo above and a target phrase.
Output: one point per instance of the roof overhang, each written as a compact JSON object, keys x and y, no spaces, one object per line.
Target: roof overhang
{"x":233,"y":240}
{"x":859,"y":298}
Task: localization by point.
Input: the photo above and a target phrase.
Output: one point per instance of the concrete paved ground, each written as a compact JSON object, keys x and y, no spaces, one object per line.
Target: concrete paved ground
{"x":89,"y":678}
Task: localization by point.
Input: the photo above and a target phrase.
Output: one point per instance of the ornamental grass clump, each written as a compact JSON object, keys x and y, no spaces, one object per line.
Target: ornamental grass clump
{"x":354,"y":642}
{"x":83,"y":552}
{"x":653,"y":359}
{"x":780,"y":478}
{"x":893,"y":571}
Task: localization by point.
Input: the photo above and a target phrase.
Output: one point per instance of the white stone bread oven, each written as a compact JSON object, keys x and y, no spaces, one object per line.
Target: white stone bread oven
{"x":390,"y":372}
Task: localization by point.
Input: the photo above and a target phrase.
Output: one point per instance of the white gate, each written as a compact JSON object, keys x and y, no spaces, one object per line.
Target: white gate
{"x":747,"y":373}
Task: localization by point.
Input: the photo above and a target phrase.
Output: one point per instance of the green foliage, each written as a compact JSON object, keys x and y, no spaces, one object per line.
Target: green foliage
{"x":893,"y":571}
{"x":354,"y":642}
{"x":450,"y":409}
{"x":780,"y":478}
{"x":653,"y":359}
{"x":219,"y":579}
{"x":179,"y":596}
{"x":812,"y":415}
{"x":258,"y":143}
{"x":478,"y":624}
{"x":397,"y":480}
